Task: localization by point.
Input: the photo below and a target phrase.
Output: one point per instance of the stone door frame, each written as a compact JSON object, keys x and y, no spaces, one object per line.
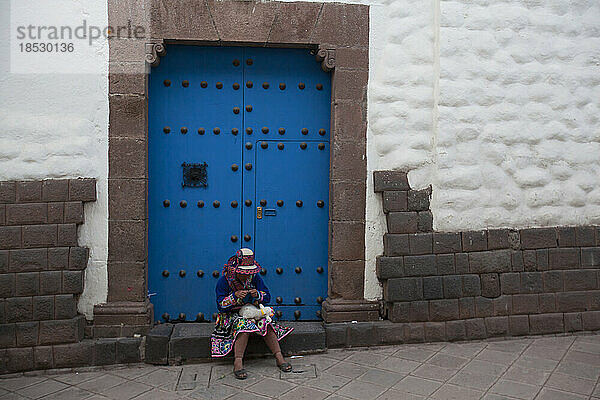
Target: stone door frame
{"x":339,"y":33}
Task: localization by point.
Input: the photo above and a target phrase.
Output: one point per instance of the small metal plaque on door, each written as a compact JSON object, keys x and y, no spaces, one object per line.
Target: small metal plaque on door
{"x":194,"y":175}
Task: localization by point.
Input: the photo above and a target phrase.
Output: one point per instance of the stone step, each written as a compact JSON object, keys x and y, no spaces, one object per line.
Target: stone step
{"x":173,"y":344}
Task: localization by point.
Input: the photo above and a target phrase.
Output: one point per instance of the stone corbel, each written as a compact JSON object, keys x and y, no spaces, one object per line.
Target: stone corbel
{"x":154,"y":51}
{"x":327,"y":59}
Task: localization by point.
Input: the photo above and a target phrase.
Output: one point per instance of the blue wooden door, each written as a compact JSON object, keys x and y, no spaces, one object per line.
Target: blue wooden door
{"x":238,"y":157}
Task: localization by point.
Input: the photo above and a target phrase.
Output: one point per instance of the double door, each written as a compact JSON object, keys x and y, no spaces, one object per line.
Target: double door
{"x":238,"y":157}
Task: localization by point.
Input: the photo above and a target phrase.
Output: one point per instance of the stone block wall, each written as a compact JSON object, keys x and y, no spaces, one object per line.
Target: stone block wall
{"x":471,"y":285}
{"x":42,"y":275}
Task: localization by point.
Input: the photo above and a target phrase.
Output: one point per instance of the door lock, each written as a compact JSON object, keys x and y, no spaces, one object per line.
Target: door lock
{"x":259,"y":212}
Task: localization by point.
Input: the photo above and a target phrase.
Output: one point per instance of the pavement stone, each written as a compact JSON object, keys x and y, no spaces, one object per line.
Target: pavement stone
{"x":541,"y":368}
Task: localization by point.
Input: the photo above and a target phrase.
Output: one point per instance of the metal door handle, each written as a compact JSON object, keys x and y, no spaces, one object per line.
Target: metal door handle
{"x":270,"y":212}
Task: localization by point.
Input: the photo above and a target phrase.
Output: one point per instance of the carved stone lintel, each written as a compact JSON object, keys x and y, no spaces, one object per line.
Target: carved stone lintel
{"x":153,"y":53}
{"x":327,"y":59}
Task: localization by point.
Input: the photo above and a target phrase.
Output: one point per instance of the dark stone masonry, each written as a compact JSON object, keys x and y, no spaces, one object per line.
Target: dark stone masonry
{"x":41,"y":277}
{"x":472,"y":285}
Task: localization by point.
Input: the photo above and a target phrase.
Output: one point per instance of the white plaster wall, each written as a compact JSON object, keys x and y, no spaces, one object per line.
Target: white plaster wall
{"x":56,"y":126}
{"x":518,"y":138}
{"x":493,"y":103}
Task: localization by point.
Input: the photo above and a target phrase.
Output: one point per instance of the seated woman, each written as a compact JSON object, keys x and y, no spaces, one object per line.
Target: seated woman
{"x":241,"y":284}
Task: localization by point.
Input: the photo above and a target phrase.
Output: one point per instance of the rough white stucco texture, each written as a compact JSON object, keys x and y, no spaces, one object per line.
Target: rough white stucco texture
{"x":56,"y":126}
{"x":493,"y":103}
{"x":518,"y":138}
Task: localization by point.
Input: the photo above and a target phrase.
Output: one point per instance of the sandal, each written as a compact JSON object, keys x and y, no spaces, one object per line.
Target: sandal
{"x":240,"y":374}
{"x":285,"y":367}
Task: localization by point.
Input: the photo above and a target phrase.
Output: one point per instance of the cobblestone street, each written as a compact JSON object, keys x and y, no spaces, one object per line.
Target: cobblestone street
{"x":560,"y":367}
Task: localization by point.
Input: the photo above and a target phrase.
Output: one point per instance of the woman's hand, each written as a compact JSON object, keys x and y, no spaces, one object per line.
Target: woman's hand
{"x":240,"y":294}
{"x":254,"y":293}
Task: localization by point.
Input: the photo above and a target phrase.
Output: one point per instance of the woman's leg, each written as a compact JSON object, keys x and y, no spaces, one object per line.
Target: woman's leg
{"x":239,"y":347}
{"x":271,"y":341}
